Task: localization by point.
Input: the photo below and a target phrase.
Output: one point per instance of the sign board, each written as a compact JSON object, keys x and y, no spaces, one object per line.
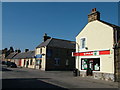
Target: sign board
{"x":38,"y":56}
{"x":91,"y":53}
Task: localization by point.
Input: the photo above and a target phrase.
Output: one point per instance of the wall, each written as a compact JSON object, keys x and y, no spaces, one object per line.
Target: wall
{"x":62,"y":54}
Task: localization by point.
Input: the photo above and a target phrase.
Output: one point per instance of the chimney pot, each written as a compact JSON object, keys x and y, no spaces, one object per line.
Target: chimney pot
{"x":26,"y":50}
{"x":95,"y":15}
{"x":93,"y":10}
{"x":45,"y":37}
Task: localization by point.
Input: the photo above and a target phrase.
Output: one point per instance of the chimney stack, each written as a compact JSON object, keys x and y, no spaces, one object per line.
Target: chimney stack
{"x":45,"y":37}
{"x":94,"y":15}
{"x":17,"y":50}
{"x":26,"y":50}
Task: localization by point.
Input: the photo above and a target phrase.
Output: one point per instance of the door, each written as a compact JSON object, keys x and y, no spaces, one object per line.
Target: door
{"x":89,"y":70}
{"x":20,"y":62}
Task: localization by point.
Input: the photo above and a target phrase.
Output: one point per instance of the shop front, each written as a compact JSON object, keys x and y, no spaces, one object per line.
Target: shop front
{"x":38,"y":61}
{"x":90,"y":65}
{"x":96,"y":64}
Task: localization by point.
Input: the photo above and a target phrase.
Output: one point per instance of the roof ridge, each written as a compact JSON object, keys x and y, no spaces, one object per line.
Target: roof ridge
{"x":63,"y":40}
{"x":45,"y":43}
{"x":110,"y":24}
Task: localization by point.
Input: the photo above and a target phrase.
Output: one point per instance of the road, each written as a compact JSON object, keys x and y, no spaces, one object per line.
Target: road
{"x":32,"y":78}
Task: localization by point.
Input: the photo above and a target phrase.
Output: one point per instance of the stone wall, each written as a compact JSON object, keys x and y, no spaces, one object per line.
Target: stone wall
{"x":99,"y":76}
{"x":104,"y":76}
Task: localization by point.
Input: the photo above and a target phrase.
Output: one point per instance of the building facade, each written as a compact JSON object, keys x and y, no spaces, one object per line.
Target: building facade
{"x":55,"y":54}
{"x":95,"y":53}
{"x":25,"y":59}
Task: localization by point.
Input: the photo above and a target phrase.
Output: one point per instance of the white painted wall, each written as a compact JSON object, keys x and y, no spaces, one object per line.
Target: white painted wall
{"x":37,"y":51}
{"x":98,"y":36}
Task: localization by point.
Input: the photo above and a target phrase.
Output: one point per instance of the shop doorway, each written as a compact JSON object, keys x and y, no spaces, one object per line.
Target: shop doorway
{"x":38,"y":64}
{"x":90,"y":65}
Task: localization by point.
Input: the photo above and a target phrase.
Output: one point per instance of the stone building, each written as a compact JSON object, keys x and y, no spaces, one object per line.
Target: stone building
{"x":55,"y":54}
{"x":96,"y":48}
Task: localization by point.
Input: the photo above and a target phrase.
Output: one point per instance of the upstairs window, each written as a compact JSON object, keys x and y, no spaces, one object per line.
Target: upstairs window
{"x":57,"y":61}
{"x":40,"y":50}
{"x":83,"y":43}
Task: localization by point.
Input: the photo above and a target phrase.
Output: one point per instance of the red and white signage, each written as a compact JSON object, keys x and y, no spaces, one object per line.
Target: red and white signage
{"x":91,"y":53}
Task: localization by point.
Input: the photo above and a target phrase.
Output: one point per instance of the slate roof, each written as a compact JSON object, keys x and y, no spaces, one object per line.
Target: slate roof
{"x":11,"y":55}
{"x":112,"y":25}
{"x":44,"y":43}
{"x":23,"y":55}
{"x":53,"y":42}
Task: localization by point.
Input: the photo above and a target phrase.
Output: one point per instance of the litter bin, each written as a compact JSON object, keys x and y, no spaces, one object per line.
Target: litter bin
{"x":75,"y":72}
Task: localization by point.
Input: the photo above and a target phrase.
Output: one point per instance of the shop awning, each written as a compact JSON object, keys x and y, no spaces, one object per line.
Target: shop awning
{"x":38,"y":56}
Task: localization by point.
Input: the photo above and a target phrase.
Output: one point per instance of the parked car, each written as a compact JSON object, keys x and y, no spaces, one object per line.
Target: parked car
{"x":4,"y":62}
{"x":8,"y":63}
{"x":13,"y":65}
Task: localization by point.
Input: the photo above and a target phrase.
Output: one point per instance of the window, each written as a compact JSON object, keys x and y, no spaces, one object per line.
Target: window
{"x":82,"y":43}
{"x":49,"y":52}
{"x":92,"y":63}
{"x":40,"y":50}
{"x":31,"y":62}
{"x":57,"y":61}
{"x":37,"y":62}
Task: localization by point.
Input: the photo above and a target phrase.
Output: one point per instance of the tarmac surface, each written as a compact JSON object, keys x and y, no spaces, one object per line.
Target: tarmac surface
{"x":32,"y":78}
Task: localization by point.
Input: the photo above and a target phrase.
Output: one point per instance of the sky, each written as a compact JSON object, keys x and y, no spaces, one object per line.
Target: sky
{"x":24,"y":23}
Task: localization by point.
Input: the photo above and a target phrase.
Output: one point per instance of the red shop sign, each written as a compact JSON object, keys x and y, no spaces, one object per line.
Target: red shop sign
{"x":91,"y":53}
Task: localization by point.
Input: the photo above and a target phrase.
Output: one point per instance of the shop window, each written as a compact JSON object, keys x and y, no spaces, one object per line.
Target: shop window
{"x":93,"y":64}
{"x":84,"y":64}
{"x":37,"y":62}
{"x":96,"y":65}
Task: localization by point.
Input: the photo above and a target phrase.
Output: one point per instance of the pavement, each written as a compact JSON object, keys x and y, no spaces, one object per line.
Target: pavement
{"x":34,"y":78}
